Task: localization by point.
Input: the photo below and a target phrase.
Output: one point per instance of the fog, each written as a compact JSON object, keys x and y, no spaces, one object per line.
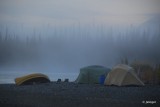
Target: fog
{"x":67,"y":49}
{"x":60,"y":38}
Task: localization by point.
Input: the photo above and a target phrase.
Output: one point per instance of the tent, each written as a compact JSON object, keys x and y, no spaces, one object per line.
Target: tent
{"x":32,"y":79}
{"x":122,"y":75}
{"x":91,"y":74}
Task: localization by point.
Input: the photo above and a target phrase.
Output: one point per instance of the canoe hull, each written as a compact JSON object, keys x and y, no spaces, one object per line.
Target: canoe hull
{"x":32,"y":79}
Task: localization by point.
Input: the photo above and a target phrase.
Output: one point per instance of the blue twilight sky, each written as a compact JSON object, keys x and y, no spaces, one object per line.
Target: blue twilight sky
{"x":64,"y":12}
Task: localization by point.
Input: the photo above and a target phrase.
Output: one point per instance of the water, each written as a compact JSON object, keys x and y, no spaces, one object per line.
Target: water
{"x":9,"y":76}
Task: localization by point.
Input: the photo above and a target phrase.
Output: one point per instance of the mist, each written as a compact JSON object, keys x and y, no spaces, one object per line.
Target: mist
{"x":67,"y":49}
{"x":62,"y":40}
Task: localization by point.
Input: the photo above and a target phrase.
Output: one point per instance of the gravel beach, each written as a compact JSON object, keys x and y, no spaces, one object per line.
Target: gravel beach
{"x":78,"y":95}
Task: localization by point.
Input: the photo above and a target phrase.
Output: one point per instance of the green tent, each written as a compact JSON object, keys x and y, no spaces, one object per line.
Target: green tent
{"x":91,"y":74}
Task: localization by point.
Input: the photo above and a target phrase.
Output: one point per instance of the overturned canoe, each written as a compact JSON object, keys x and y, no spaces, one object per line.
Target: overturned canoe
{"x":32,"y":79}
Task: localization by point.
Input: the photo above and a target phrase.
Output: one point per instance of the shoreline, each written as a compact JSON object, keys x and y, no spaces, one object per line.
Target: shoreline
{"x":77,"y":95}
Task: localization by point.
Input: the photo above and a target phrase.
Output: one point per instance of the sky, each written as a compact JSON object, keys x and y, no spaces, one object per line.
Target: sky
{"x":65,"y":12}
{"x":92,"y":21}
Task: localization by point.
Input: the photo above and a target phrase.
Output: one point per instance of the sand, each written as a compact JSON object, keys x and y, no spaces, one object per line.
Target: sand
{"x":78,"y":95}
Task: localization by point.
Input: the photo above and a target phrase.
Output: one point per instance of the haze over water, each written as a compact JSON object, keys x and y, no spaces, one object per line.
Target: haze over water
{"x":58,"y":38}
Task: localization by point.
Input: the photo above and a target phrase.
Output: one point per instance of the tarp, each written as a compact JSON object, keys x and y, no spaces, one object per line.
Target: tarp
{"x":91,"y":74}
{"x":32,"y":79}
{"x":122,"y":75}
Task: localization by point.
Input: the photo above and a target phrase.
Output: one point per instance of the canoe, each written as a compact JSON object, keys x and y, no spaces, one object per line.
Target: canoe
{"x":35,"y":78}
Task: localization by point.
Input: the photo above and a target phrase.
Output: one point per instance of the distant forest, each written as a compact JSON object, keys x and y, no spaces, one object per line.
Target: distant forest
{"x":79,"y":46}
{"x":132,"y":43}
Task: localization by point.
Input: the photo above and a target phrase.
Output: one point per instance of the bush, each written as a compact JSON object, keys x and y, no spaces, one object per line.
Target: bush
{"x":144,"y":71}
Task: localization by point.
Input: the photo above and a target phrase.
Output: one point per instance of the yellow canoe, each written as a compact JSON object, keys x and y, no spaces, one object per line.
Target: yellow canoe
{"x":31,"y":79}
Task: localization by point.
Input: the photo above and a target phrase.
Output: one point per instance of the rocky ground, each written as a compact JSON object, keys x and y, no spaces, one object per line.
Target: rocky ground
{"x":78,"y":95}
